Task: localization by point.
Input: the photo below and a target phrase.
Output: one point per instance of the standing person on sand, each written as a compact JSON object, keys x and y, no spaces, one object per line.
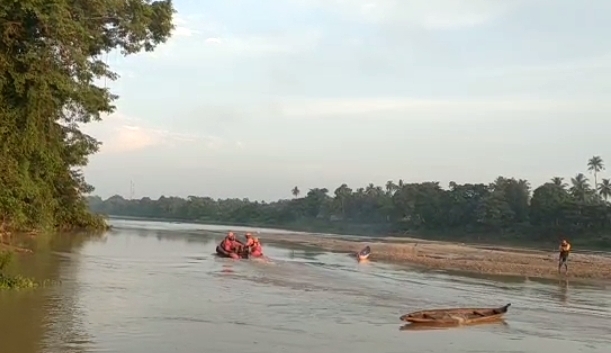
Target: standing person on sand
{"x":564,"y":250}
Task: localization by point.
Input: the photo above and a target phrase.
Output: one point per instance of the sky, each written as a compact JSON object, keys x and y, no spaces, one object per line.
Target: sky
{"x":251,"y":98}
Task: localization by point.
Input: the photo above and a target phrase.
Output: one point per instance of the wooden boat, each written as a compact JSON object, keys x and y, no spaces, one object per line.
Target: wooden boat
{"x":364,"y":253}
{"x":456,"y":316}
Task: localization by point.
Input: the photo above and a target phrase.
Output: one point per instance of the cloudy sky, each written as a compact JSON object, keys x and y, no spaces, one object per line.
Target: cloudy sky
{"x":251,"y":98}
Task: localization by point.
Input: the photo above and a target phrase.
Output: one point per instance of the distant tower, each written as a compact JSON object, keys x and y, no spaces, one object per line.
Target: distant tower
{"x":132,"y":189}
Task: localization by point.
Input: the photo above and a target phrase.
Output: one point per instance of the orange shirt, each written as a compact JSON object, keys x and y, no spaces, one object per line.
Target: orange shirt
{"x":565,"y":248}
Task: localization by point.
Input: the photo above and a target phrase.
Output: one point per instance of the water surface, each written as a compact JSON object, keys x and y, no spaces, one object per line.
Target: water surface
{"x":157,"y":287}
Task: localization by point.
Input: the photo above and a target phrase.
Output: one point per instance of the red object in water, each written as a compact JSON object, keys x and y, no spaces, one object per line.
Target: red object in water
{"x":256,"y":254}
{"x":234,"y":256}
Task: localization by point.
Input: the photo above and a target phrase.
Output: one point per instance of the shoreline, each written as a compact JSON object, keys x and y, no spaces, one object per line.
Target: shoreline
{"x":472,"y":240}
{"x":475,"y":258}
{"x":458,"y":257}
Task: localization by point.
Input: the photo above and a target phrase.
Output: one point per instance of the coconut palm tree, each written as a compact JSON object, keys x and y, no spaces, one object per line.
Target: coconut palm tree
{"x":342,"y":194}
{"x":580,"y":187}
{"x":595,"y":165}
{"x":558,"y":181}
{"x":295,"y":191}
{"x":604,"y":189}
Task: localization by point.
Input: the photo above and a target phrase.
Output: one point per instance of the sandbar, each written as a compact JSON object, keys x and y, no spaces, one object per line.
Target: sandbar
{"x":481,"y":259}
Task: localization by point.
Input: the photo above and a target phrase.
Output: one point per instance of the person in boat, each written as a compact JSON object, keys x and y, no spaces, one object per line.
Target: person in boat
{"x":229,"y":247}
{"x":564,"y":250}
{"x":256,"y":249}
{"x":249,"y":240}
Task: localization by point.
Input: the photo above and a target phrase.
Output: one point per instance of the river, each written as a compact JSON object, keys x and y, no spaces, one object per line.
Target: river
{"x":150,"y":287}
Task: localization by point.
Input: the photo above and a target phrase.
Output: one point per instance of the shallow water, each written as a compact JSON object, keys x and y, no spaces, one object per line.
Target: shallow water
{"x":156,"y":287}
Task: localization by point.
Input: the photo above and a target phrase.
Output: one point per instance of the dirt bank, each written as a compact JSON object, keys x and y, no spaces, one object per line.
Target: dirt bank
{"x":6,"y":243}
{"x":452,"y":256}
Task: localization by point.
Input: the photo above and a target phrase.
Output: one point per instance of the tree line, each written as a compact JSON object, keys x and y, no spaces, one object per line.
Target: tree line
{"x":52,"y":58}
{"x":505,"y":208}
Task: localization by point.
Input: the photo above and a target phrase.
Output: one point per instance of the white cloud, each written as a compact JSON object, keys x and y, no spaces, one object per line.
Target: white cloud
{"x":121,"y":134}
{"x":266,"y":45}
{"x":213,"y":41}
{"x":180,"y":31}
{"x":183,"y":28}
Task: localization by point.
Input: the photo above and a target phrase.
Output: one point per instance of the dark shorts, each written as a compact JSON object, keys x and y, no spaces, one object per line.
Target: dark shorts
{"x":563,"y":258}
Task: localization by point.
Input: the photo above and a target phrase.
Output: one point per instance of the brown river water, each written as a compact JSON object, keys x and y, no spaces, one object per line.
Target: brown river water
{"x":150,"y":287}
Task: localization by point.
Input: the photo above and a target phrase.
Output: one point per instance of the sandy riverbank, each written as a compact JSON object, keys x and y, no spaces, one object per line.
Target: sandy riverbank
{"x":460,"y":257}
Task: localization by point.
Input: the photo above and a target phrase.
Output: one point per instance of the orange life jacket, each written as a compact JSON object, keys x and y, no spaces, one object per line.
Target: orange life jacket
{"x":228,"y":244}
{"x":256,"y":248}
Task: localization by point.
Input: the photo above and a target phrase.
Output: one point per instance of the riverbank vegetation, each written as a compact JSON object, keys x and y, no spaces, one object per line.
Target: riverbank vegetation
{"x":12,"y":281}
{"x":51,"y":63}
{"x":506,"y":210}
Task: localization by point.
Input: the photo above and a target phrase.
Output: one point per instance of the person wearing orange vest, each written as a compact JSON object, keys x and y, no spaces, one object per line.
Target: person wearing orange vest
{"x":255,"y":249}
{"x":229,"y":247}
{"x":249,"y":240}
{"x":564,"y":250}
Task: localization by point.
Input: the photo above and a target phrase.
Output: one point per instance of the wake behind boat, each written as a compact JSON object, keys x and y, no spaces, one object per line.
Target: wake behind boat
{"x":456,"y":316}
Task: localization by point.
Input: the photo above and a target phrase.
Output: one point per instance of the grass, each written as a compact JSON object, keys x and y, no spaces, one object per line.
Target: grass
{"x":12,"y":281}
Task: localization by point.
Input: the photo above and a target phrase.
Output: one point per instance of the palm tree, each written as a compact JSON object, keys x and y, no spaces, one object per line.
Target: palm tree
{"x":558,"y":181}
{"x":604,"y":189}
{"x":580,"y":187}
{"x":342,"y":194}
{"x":391,"y":187}
{"x":295,"y":191}
{"x":371,"y":189}
{"x":595,"y":165}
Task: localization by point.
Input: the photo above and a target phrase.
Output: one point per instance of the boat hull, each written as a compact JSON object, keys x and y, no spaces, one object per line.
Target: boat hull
{"x":456,"y":316}
{"x":240,"y":255}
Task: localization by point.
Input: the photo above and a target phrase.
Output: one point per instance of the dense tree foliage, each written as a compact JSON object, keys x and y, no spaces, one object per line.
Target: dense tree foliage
{"x":51,"y":54}
{"x":505,"y":207}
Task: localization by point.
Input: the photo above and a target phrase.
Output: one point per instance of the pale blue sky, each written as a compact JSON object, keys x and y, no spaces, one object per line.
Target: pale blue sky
{"x":250,"y":98}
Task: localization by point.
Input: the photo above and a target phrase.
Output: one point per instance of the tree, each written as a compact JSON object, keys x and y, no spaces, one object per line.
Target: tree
{"x":558,"y":181}
{"x":501,"y":209}
{"x":295,"y":191}
{"x":51,"y":56}
{"x":604,"y":189}
{"x":580,"y":188}
{"x":342,"y":196}
{"x":391,"y":187}
{"x":547,"y":204}
{"x":595,"y":165}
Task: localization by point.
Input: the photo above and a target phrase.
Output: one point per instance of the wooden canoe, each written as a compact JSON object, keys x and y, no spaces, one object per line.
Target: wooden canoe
{"x":456,"y":316}
{"x":364,"y":253}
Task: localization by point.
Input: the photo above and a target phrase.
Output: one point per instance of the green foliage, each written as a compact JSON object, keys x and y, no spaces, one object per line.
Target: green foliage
{"x":50,"y":58}
{"x":12,"y":282}
{"x":504,"y":208}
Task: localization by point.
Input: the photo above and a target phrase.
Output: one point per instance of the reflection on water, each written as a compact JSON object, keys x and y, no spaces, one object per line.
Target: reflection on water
{"x":563,"y":286}
{"x":497,"y":326}
{"x":159,"y":288}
